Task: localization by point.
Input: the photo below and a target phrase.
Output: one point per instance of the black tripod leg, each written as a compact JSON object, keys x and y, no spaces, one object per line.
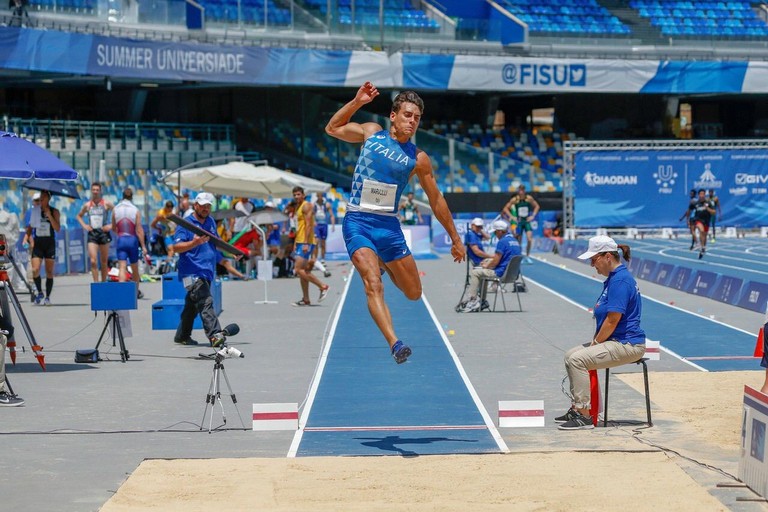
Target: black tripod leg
{"x":103,"y":332}
{"x":119,"y":331}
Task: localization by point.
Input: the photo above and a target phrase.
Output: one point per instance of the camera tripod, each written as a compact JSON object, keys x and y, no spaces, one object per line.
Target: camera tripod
{"x":117,"y":334}
{"x":9,"y":298}
{"x":214,"y":391}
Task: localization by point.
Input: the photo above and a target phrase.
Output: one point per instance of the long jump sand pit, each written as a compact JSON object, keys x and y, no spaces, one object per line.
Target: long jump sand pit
{"x":530,"y":481}
{"x":696,"y":409}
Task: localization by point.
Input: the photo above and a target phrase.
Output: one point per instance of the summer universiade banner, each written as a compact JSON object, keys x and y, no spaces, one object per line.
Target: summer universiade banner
{"x":84,"y":54}
{"x":87,"y":54}
{"x":649,"y":188}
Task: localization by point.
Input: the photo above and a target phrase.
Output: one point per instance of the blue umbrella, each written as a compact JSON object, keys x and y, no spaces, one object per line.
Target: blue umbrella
{"x":55,"y":187}
{"x":22,"y":159}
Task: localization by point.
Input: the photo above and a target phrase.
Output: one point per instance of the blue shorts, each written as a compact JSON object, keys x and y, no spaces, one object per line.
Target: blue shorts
{"x":321,"y":231}
{"x":304,"y":250}
{"x":127,"y":248}
{"x":380,"y":233}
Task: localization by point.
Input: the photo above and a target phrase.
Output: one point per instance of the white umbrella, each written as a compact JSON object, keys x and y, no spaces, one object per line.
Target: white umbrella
{"x":243,"y":179}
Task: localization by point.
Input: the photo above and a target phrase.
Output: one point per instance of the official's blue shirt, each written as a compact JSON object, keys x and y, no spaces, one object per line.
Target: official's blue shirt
{"x":621,"y":295}
{"x":200,"y":261}
{"x":508,"y":247}
{"x":471,"y":239}
{"x":381,"y":174}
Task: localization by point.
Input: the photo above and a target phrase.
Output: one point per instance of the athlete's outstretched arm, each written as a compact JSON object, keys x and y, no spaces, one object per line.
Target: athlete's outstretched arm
{"x":437,"y":202}
{"x":339,"y":125}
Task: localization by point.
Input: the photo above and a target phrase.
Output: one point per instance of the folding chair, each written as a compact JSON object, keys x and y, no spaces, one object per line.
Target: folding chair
{"x":511,"y":275}
{"x":462,"y":302}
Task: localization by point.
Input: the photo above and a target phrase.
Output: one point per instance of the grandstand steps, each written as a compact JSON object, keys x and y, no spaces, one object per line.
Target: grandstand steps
{"x":641,"y":27}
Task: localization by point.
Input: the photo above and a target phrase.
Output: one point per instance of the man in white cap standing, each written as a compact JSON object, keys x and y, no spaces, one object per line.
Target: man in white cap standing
{"x":506,"y":247}
{"x":197,"y":269}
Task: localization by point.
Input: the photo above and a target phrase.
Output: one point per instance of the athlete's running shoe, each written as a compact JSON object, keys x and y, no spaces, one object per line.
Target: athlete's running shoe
{"x":701,"y":253}
{"x":324,"y":293}
{"x":401,"y":352}
{"x":300,"y":302}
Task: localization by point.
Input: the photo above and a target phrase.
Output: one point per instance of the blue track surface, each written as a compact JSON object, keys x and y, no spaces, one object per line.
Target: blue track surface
{"x":688,"y":335}
{"x":367,"y":405}
{"x":741,"y":258}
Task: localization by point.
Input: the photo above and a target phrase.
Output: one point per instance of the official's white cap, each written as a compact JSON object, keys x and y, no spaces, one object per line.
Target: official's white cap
{"x":269,"y":204}
{"x":205,"y":198}
{"x":36,"y":196}
{"x":598,"y":244}
{"x":500,"y":225}
{"x":477,"y":221}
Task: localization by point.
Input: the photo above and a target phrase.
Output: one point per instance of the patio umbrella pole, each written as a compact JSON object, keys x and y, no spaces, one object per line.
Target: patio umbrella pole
{"x":264,"y":256}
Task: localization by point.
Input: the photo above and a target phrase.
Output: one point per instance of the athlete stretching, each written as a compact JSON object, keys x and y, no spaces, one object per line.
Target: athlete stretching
{"x":372,"y":233}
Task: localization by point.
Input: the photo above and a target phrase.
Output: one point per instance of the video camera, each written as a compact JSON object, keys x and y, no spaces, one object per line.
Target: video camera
{"x":3,"y":248}
{"x":227,"y":352}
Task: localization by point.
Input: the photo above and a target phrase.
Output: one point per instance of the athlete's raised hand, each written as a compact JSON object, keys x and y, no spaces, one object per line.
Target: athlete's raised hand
{"x":366,"y":93}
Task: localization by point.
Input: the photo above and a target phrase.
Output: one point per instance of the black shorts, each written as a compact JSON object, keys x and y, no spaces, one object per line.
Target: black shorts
{"x":99,"y":237}
{"x":45,"y":248}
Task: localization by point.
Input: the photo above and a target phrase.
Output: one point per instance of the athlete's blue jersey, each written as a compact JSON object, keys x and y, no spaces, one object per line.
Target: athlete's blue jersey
{"x":381,"y":174}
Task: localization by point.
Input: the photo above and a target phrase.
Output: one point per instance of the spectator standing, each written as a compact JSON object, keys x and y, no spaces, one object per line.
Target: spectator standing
{"x":42,"y":228}
{"x":409,"y":211}
{"x":130,"y":235}
{"x":323,"y":213}
{"x":304,"y":246}
{"x":525,"y":210}
{"x":98,"y":228}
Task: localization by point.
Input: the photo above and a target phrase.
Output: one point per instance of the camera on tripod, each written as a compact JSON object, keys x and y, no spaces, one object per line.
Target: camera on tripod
{"x":227,"y":352}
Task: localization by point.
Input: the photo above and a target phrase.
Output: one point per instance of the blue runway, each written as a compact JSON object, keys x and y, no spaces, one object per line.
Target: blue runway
{"x":704,"y":342}
{"x":365,"y":404}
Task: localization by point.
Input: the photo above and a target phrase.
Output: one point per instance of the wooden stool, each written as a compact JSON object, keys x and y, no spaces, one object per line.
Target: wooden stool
{"x":647,"y":392}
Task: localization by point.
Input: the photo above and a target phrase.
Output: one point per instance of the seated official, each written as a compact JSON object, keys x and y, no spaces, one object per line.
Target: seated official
{"x":474,"y":241}
{"x":618,"y":337}
{"x":506,"y":248}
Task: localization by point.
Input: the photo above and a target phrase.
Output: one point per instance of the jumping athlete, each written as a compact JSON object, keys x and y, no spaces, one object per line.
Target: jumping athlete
{"x":98,"y":228}
{"x":523,"y":203}
{"x":372,"y":233}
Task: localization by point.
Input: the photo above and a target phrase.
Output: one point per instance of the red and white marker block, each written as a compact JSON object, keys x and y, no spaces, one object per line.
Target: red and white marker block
{"x":652,"y":350}
{"x":521,"y":413}
{"x":753,"y":463}
{"x":276,"y":416}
